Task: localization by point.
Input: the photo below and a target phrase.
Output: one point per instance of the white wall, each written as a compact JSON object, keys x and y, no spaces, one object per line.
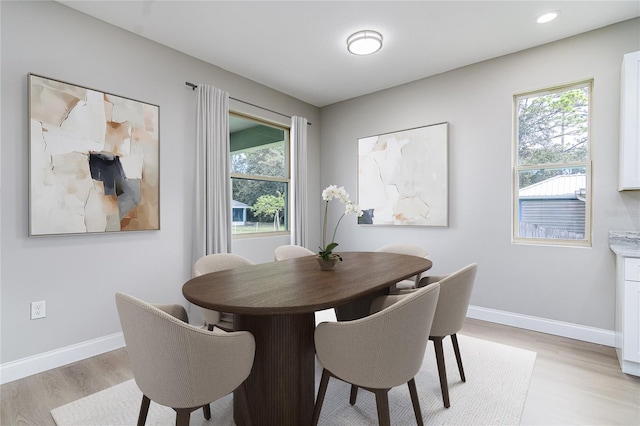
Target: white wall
{"x":573,"y":285}
{"x":78,"y":275}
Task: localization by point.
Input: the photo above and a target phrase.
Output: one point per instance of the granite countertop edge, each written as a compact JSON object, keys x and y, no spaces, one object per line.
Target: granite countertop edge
{"x":625,"y":243}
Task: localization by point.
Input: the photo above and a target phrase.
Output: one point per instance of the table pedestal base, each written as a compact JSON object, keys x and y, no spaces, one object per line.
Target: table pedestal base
{"x":358,"y":308}
{"x":280,"y":387}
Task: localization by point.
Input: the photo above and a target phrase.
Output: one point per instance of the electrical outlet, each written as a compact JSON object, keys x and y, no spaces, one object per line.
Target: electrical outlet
{"x":38,"y":309}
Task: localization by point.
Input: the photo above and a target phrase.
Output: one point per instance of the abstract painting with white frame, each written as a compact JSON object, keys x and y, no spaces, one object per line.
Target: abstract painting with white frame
{"x":403,"y":177}
{"x":93,"y":161}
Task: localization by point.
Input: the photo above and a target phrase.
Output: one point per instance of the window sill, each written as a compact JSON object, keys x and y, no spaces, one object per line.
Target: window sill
{"x":259,"y":235}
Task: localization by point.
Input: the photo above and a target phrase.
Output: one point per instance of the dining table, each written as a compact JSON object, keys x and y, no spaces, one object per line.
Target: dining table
{"x":276,"y":302}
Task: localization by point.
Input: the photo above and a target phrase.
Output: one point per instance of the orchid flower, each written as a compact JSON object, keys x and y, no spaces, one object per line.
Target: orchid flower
{"x":331,"y":192}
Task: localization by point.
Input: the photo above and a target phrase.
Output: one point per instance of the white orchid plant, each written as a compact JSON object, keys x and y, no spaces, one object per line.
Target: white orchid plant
{"x":331,"y":192}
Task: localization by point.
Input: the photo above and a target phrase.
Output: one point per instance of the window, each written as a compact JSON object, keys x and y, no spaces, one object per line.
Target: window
{"x":259,"y":155}
{"x":552,"y":166}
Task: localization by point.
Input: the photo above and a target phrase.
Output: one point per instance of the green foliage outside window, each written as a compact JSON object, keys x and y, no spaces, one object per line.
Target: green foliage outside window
{"x":552,"y":176}
{"x":270,"y":206}
{"x":552,"y":130}
{"x":260,"y":175}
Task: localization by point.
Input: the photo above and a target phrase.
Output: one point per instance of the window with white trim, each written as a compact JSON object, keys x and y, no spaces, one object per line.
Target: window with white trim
{"x":259,"y":156}
{"x":552,"y":166}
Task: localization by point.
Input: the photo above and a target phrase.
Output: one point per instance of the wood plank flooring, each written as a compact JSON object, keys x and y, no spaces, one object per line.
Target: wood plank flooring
{"x":28,"y":401}
{"x":573,"y":382}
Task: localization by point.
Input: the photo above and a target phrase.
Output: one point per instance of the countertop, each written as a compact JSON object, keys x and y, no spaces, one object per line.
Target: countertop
{"x":625,"y":243}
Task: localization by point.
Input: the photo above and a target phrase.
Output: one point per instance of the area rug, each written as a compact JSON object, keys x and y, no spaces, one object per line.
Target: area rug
{"x":497,"y":376}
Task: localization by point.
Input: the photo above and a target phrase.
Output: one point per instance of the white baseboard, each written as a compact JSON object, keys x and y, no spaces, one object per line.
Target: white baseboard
{"x":558,"y":328}
{"x":24,"y":367}
{"x":14,"y":370}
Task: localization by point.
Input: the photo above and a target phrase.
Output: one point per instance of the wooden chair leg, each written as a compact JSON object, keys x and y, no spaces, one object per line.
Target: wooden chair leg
{"x":324,"y":382}
{"x":442,"y":371}
{"x":354,"y":395}
{"x":382,"y":403}
{"x":456,"y":349}
{"x":182,"y":416}
{"x":206,"y":410}
{"x":413,"y":391}
{"x":144,"y":409}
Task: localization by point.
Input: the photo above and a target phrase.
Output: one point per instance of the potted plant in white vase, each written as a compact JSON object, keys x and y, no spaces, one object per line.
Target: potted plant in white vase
{"x":326,"y":257}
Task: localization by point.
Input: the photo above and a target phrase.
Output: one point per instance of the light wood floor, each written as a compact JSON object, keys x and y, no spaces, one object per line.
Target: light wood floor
{"x":573,"y":382}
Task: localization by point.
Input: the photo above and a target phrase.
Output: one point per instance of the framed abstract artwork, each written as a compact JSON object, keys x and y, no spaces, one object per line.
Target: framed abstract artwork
{"x":403,"y":177}
{"x":94,"y":161}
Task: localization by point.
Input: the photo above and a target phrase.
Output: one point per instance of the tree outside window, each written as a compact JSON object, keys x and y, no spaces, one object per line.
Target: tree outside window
{"x":259,"y":176}
{"x":552,"y":172}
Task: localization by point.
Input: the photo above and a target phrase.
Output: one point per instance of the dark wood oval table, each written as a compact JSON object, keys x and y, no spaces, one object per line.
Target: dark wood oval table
{"x":276,"y":303}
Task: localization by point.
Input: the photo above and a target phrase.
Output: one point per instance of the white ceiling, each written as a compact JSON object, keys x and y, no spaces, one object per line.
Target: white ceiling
{"x":299,"y":47}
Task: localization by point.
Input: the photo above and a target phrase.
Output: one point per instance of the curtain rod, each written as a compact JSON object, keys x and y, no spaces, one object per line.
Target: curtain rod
{"x":195,"y":86}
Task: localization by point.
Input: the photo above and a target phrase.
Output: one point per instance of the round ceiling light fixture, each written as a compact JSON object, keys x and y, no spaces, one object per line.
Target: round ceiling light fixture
{"x":547,"y":17}
{"x":364,"y":42}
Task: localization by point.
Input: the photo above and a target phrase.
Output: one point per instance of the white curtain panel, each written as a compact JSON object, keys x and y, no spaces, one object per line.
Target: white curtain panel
{"x":299,"y":223}
{"x":212,"y":224}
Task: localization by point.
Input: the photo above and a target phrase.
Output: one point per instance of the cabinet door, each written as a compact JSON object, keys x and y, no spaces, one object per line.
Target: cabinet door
{"x":630,"y":123}
{"x":631,"y":347}
{"x":632,"y":269}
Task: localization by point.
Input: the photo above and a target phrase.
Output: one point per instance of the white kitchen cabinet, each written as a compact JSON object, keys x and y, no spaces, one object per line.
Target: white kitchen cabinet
{"x":628,"y":314}
{"x":630,"y":123}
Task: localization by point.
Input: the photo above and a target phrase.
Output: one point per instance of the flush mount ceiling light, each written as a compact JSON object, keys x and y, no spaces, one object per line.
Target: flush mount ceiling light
{"x":364,"y":42}
{"x":547,"y":17}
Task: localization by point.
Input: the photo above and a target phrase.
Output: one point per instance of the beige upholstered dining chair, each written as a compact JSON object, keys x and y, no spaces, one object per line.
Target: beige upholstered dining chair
{"x":411,"y":250}
{"x":455,"y":294}
{"x":214,"y":263}
{"x":378,"y":352}
{"x":291,"y":251}
{"x":181,"y":366}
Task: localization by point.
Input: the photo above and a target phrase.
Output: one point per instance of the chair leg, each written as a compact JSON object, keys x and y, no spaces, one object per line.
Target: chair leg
{"x":354,"y":395}
{"x":182,"y":416}
{"x":144,"y":409}
{"x":442,"y":371}
{"x":382,"y":403}
{"x":415,"y":401}
{"x":324,"y":381}
{"x":456,"y":349}
{"x":206,"y":410}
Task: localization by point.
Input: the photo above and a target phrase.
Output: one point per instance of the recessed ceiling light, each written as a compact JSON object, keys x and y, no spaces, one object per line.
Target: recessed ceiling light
{"x":364,"y":42}
{"x":548,"y":17}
